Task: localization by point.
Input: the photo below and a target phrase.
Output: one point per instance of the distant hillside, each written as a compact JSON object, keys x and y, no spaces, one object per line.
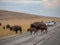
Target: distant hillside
{"x":4,"y":15}
{"x":13,"y":15}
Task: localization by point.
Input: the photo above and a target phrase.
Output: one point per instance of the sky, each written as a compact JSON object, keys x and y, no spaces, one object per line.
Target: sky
{"x":38,"y":7}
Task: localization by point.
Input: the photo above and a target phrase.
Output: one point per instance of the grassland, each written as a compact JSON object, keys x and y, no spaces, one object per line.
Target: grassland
{"x":21,"y":19}
{"x":7,"y":32}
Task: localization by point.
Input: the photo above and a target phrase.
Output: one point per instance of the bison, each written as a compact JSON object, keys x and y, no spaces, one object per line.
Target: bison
{"x":39,"y":26}
{"x":16,"y":28}
{"x":31,"y":30}
{"x":0,"y":24}
{"x":4,"y":27}
{"x":7,"y":26}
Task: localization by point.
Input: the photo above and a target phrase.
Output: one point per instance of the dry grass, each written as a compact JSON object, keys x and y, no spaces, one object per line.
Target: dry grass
{"x":7,"y":32}
{"x":21,"y":19}
{"x":24,"y":23}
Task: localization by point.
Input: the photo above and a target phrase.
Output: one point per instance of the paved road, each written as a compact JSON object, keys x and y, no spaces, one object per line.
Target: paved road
{"x":54,"y":40}
{"x":27,"y":39}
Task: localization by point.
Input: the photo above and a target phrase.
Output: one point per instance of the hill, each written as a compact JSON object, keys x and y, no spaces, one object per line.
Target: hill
{"x":19,"y":18}
{"x":13,"y":15}
{"x":9,"y":15}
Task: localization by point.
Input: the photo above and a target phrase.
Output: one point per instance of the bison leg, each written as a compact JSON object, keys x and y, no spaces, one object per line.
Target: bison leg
{"x":0,"y":24}
{"x":20,"y":30}
{"x":10,"y":28}
{"x":4,"y":27}
{"x":31,"y":32}
{"x":41,"y":31}
{"x":46,"y":31}
{"x":35,"y":32}
{"x":16,"y":31}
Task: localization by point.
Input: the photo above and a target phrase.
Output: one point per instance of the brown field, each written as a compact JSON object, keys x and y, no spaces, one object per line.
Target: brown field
{"x":21,"y":19}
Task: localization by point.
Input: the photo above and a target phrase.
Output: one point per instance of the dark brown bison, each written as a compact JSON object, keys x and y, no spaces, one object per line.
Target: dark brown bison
{"x":7,"y":26}
{"x":39,"y":26}
{"x":4,"y":27}
{"x":16,"y":28}
{"x":31,"y":30}
{"x":0,"y":24}
{"x":36,"y":25}
{"x":43,"y":27}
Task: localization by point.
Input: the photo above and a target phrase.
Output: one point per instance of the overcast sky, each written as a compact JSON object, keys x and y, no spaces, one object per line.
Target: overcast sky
{"x":39,"y":7}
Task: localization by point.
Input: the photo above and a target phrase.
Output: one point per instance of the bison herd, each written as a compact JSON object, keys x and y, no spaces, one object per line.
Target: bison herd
{"x":34,"y":27}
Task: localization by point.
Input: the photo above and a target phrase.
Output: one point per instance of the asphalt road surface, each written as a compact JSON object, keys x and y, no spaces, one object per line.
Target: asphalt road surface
{"x":49,"y":38}
{"x":55,"y":40}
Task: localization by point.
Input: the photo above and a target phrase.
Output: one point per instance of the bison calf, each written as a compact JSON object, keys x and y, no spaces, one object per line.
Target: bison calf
{"x":31,"y":30}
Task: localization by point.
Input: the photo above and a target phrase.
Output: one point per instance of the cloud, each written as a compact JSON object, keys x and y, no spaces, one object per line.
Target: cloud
{"x":15,"y":0}
{"x":21,"y":1}
{"x":45,"y":3}
{"x":51,"y":4}
{"x":33,"y":2}
{"x":6,"y":0}
{"x":45,"y":0}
